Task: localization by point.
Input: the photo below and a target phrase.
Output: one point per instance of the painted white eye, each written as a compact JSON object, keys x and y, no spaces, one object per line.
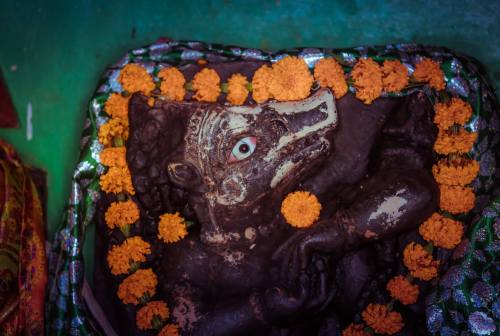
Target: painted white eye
{"x":243,"y":149}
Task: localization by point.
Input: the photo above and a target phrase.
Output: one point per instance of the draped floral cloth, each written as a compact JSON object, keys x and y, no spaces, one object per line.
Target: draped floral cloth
{"x":23,"y":268}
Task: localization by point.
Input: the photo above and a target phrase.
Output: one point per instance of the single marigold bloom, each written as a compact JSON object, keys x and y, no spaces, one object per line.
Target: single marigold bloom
{"x":355,"y":330}
{"x":367,"y":78}
{"x":460,"y":171}
{"x":260,"y":82}
{"x":137,"y":285}
{"x":121,"y":214}
{"x":456,"y":111}
{"x":448,"y":143}
{"x":403,"y":290}
{"x":117,"y":180}
{"x":113,"y":157}
{"x":429,"y":71}
{"x":381,"y":320}
{"x":394,"y":76}
{"x":442,"y":231}
{"x":132,"y":250}
{"x":172,"y":83}
{"x":145,"y":315}
{"x":300,"y":209}
{"x":135,"y":78}
{"x":115,"y":127}
{"x":237,"y":91}
{"x":207,"y":85}
{"x":420,"y":262}
{"x":171,"y":228}
{"x":117,"y":106}
{"x":291,"y":79}
{"x":456,"y":199}
{"x":329,"y":73}
{"x":169,"y":330}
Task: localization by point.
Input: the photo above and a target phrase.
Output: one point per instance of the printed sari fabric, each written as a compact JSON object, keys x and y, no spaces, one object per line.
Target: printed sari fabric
{"x":23,"y":268}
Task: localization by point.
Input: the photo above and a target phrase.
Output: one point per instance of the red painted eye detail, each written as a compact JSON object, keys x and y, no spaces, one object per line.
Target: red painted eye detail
{"x":243,"y":149}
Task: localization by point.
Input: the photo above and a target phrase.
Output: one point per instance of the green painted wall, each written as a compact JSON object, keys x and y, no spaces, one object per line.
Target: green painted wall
{"x":53,"y":52}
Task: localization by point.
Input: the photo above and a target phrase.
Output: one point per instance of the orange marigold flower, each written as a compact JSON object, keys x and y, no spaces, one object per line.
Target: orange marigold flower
{"x":449,"y":143}
{"x":207,"y":85}
{"x":132,"y":250}
{"x":117,"y":106}
{"x":456,"y":111}
{"x":117,"y":180}
{"x":113,"y":157}
{"x":355,"y":330}
{"x":367,"y":78}
{"x":420,"y":262}
{"x":138,"y":285}
{"x":291,"y":79}
{"x":121,"y":214}
{"x":442,"y":231}
{"x":172,"y":83}
{"x":381,"y":320}
{"x":260,"y":81}
{"x":146,"y":315}
{"x":300,"y":209}
{"x":456,"y":199}
{"x":115,"y":127}
{"x":394,"y":76}
{"x":171,"y":228}
{"x":329,"y":73}
{"x":237,"y":89}
{"x":460,"y":171}
{"x":135,"y":78}
{"x":403,"y":290}
{"x":169,"y":330}
{"x":429,"y":71}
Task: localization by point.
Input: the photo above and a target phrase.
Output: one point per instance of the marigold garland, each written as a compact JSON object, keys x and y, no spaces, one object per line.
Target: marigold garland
{"x":132,"y":250}
{"x":300,"y":209}
{"x":145,"y":316}
{"x":172,"y":83}
{"x":138,"y":285}
{"x":329,"y":73}
{"x":237,"y":91}
{"x":113,"y":157}
{"x":394,"y":76}
{"x":171,"y":228}
{"x":115,"y":127}
{"x":290,"y":80}
{"x":169,"y":330}
{"x":456,"y":111}
{"x":403,"y":290}
{"x":458,"y":171}
{"x":420,"y":262}
{"x":449,"y":143}
{"x":207,"y":85}
{"x":135,"y":78}
{"x":441,"y":231}
{"x":430,"y":72}
{"x":260,"y":81}
{"x":382,"y":320}
{"x":355,"y":330}
{"x":117,"y":180}
{"x":117,"y":106}
{"x":121,"y":214}
{"x":456,"y":199}
{"x":367,"y":78}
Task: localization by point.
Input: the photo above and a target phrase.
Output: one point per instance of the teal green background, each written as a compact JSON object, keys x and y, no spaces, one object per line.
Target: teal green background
{"x":53,"y":52}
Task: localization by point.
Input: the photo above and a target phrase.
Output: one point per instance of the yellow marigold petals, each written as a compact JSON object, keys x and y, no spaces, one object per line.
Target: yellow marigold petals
{"x":117,"y":180}
{"x":430,"y":72}
{"x":121,"y":214}
{"x":420,"y":262}
{"x":403,"y":290}
{"x":145,"y":315}
{"x":449,"y":143}
{"x":171,"y":228}
{"x":141,"y":283}
{"x":456,"y":111}
{"x":355,"y":330}
{"x":115,"y":127}
{"x":132,"y":250}
{"x":329,"y":73}
{"x":237,"y":89}
{"x":367,"y":78}
{"x":172,"y":83}
{"x":135,"y":78}
{"x":394,"y":76}
{"x":441,"y":231}
{"x":117,"y":106}
{"x":260,"y":81}
{"x":459,"y":171}
{"x":290,"y":80}
{"x":113,"y":157}
{"x":456,"y":199}
{"x":207,"y":85}
{"x":169,"y":330}
{"x":300,"y":209}
{"x":381,"y":320}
